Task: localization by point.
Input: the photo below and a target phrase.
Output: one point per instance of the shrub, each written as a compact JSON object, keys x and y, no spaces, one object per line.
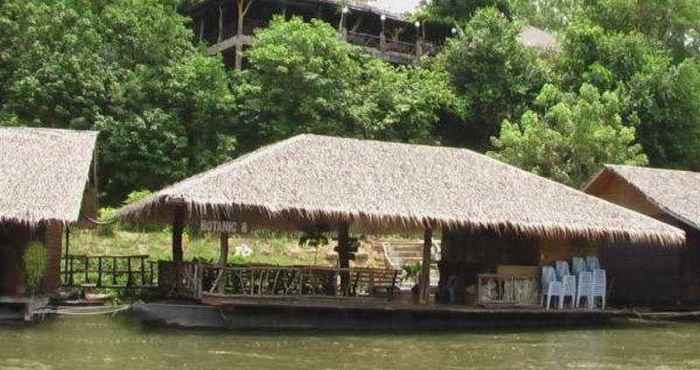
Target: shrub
{"x":36,"y":263}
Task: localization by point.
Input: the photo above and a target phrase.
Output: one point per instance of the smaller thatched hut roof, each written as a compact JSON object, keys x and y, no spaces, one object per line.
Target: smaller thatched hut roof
{"x":676,"y":193}
{"x":43,"y":174}
{"x":381,"y":186}
{"x":533,"y":37}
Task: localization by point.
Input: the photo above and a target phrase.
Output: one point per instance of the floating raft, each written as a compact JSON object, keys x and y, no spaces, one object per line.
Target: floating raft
{"x":275,"y":313}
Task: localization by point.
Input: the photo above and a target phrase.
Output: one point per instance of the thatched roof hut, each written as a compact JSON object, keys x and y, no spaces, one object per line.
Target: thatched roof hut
{"x":381,"y":186}
{"x":44,"y":179}
{"x":43,"y":174}
{"x":537,"y":38}
{"x":655,"y":274}
{"x":675,"y":193}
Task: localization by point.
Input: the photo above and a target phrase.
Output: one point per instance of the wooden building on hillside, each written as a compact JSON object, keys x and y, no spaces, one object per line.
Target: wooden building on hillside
{"x":46,"y":184}
{"x":654,"y":274}
{"x":381,"y":27}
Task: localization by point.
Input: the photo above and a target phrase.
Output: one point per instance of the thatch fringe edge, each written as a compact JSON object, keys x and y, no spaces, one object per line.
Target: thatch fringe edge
{"x":293,"y":218}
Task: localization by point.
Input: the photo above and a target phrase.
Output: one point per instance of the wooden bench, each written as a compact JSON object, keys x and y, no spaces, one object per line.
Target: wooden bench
{"x":374,"y":281}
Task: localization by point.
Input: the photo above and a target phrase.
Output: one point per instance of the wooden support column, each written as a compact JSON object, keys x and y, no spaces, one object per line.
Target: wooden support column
{"x":343,"y":250}
{"x":201,"y":29}
{"x":178,"y":229}
{"x":220,"y":36}
{"x":425,"y":268}
{"x":223,"y":260}
{"x":342,"y":29}
{"x":223,"y":257}
{"x":382,"y":34}
{"x":419,"y":41}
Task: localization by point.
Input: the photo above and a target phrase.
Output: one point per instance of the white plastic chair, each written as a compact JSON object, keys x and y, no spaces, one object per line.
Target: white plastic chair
{"x":550,"y":286}
{"x":562,"y":270}
{"x":578,"y":265}
{"x":599,"y":288}
{"x":585,"y":288}
{"x":568,"y":290}
{"x":592,"y":263}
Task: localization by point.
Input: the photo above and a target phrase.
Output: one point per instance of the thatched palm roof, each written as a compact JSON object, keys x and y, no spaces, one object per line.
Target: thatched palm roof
{"x":675,"y":192}
{"x":533,"y":37}
{"x":43,"y":173}
{"x":381,"y":186}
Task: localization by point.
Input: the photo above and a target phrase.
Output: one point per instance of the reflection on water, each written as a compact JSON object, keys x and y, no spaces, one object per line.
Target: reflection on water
{"x":104,"y":343}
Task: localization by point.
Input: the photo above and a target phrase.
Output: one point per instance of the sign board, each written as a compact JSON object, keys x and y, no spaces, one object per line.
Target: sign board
{"x":231,"y":227}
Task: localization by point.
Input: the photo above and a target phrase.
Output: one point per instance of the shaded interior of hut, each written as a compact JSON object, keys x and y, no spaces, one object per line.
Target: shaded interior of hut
{"x":475,"y":261}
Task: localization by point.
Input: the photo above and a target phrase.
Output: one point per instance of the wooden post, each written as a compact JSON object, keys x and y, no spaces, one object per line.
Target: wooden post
{"x":129,"y":274}
{"x":66,"y":280}
{"x":425,"y":268}
{"x":143,"y":270}
{"x":382,"y":35}
{"x":114,"y":271}
{"x":220,"y":36}
{"x":223,"y":260}
{"x":99,"y":272}
{"x":201,"y":29}
{"x":87,"y":269}
{"x":341,"y":27}
{"x":343,"y":250}
{"x":419,"y":41}
{"x":178,"y":228}
{"x":223,"y":256}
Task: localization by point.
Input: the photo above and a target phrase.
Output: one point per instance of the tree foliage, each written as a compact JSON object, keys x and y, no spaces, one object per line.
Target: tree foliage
{"x":664,"y":95}
{"x":569,"y":136}
{"x":461,"y":11}
{"x":303,"y":79}
{"x":126,"y":67}
{"x":496,"y":75}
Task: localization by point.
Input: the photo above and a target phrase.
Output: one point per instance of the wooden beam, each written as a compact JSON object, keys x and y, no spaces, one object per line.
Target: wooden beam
{"x":178,"y":229}
{"x":425,"y":268}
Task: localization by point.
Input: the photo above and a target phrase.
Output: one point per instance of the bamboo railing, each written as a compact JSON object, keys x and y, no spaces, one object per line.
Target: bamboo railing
{"x":108,"y":271}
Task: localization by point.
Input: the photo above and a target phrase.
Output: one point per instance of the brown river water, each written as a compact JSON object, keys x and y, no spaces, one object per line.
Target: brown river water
{"x":118,"y":343}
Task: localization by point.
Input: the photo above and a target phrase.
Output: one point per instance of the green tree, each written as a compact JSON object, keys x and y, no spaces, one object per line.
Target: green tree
{"x":461,"y":11}
{"x":548,"y":14}
{"x":126,"y":67}
{"x":303,"y":78}
{"x":495,"y":74}
{"x":674,"y":23}
{"x":570,"y":136}
{"x":665,"y":96}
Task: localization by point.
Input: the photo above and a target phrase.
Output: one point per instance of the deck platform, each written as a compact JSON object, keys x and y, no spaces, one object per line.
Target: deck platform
{"x":319,"y":313}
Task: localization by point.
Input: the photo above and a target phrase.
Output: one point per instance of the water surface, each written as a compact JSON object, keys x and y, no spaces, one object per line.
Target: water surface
{"x":117,"y":343}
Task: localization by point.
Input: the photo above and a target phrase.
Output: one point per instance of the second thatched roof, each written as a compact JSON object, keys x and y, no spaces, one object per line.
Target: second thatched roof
{"x":675,"y":192}
{"x":380,"y":187}
{"x":43,"y":174}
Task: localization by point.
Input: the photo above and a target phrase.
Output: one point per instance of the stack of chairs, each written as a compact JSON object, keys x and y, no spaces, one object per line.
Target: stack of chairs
{"x":551,"y":287}
{"x":587,"y":280}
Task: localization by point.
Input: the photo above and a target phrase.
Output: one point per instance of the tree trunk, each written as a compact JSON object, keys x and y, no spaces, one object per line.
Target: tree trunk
{"x":425,"y":268}
{"x":239,"y":40}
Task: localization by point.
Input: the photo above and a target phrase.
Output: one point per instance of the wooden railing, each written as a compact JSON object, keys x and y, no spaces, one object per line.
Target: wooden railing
{"x":108,"y":271}
{"x":299,"y":281}
{"x":506,"y":289}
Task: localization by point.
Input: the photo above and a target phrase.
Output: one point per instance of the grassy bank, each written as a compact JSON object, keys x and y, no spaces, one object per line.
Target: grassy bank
{"x":267,"y":248}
